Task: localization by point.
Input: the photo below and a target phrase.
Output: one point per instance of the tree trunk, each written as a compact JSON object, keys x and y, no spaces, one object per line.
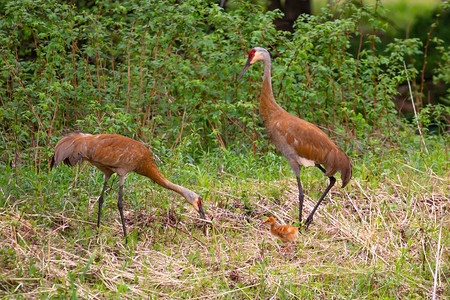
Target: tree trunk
{"x":292,"y":9}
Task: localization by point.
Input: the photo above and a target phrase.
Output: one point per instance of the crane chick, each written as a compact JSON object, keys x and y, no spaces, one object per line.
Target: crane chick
{"x":285,"y":233}
{"x":112,"y":153}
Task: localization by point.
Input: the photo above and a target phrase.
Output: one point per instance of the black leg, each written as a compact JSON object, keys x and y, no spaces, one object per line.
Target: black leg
{"x":310,"y":217}
{"x":120,"y":206}
{"x":321,"y":168}
{"x":100,"y":203}
{"x":301,"y":196}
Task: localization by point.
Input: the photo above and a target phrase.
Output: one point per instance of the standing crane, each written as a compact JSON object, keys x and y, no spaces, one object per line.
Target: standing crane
{"x":302,"y":143}
{"x":112,"y":153}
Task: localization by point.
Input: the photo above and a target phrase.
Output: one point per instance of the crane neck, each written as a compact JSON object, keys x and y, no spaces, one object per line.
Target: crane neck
{"x":185,"y":192}
{"x":268,"y":107}
{"x":267,"y":77}
{"x":151,"y":171}
{"x":273,"y":228}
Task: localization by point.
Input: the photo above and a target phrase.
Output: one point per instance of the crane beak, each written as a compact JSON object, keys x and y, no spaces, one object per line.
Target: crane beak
{"x":247,"y":65}
{"x":200,"y":209}
{"x":201,"y":212}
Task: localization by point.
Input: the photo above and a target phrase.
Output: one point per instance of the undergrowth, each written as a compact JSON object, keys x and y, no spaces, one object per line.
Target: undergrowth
{"x":377,"y":238}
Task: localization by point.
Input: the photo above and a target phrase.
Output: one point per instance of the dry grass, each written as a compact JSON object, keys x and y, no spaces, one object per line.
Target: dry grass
{"x":367,"y":241}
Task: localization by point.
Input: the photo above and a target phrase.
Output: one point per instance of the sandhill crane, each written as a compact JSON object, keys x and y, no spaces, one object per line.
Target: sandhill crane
{"x":302,"y":143}
{"x":285,"y":233}
{"x":112,"y":153}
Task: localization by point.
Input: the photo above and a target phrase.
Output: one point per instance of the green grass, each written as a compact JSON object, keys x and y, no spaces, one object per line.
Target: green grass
{"x":377,"y":238}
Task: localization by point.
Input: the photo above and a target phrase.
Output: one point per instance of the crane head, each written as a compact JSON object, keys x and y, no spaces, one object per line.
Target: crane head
{"x":253,"y":56}
{"x":195,"y":200}
{"x":269,"y":220}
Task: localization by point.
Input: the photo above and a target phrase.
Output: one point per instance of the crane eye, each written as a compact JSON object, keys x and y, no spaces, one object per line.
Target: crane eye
{"x":251,"y":53}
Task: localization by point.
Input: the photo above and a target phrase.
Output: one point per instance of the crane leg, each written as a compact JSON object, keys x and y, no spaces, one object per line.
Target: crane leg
{"x":321,"y":168}
{"x":120,"y":207}
{"x":301,"y":196}
{"x":100,"y":203}
{"x":310,"y":217}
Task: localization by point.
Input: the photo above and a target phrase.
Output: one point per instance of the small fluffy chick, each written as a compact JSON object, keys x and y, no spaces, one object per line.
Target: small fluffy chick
{"x":285,"y":233}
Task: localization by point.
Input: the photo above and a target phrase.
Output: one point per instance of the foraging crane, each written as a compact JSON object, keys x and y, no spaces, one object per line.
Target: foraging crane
{"x":285,"y":233}
{"x":302,"y":143}
{"x":112,"y":153}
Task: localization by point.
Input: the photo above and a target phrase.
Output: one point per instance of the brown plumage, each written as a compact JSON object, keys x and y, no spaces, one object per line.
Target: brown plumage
{"x":112,"y":153}
{"x":302,"y":143}
{"x":285,"y":233}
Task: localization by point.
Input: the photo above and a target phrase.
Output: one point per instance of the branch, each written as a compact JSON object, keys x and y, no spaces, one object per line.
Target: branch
{"x":414,"y":107}
{"x":435,"y":275}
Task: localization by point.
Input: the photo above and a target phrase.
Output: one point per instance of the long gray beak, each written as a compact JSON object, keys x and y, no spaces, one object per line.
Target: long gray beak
{"x":201,"y":212}
{"x":247,"y":65}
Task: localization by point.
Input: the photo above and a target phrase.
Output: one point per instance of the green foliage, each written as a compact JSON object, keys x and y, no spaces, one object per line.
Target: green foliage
{"x":442,"y":73}
{"x":435,"y":27}
{"x":162,"y":72}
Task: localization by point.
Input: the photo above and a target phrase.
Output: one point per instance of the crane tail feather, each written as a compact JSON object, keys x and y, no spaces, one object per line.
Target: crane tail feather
{"x":338,"y":161}
{"x":67,"y":150}
{"x":345,"y":168}
{"x":346,"y":175}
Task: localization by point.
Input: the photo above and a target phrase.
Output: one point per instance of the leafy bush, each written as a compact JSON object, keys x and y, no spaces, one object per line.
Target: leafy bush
{"x":160,"y":71}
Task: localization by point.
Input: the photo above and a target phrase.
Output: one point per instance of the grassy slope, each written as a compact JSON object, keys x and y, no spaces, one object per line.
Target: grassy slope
{"x":377,"y":238}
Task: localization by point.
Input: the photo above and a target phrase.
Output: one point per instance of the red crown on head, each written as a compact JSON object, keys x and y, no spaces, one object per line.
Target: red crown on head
{"x":251,"y":53}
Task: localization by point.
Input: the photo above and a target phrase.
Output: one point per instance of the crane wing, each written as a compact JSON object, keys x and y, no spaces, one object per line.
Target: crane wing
{"x":105,"y":151}
{"x":306,"y":139}
{"x":306,"y":144}
{"x":114,"y":151}
{"x":287,"y":233}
